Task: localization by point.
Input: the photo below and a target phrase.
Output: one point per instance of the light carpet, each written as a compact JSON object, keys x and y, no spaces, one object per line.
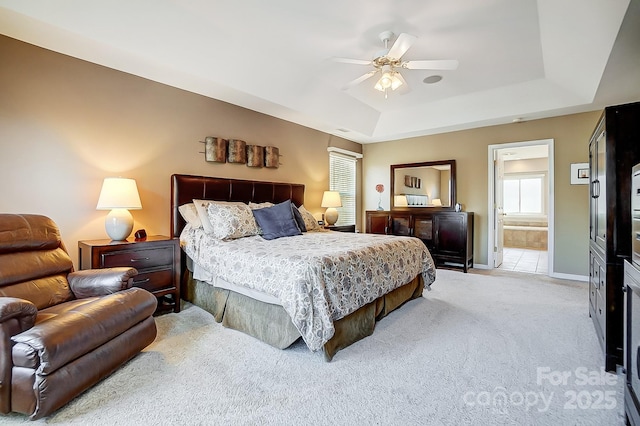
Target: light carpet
{"x":480,"y":349}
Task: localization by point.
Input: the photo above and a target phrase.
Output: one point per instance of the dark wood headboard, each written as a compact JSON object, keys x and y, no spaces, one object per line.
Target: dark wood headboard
{"x":184,"y":188}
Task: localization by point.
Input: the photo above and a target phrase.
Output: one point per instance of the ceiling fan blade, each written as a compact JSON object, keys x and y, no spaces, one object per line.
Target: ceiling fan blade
{"x":359,"y":80}
{"x":444,"y":64}
{"x":351,"y":61}
{"x":401,"y":45}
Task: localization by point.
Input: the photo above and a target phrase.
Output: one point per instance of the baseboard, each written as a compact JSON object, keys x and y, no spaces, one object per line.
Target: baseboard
{"x":573,"y":277}
{"x":481,"y":266}
{"x":558,"y":275}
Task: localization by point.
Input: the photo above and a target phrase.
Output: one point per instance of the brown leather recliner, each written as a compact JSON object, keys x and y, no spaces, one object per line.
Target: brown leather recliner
{"x":61,"y":331}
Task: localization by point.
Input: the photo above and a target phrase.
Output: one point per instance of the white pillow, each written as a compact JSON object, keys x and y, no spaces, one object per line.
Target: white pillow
{"x":190,"y":215}
{"x":201,"y":208}
{"x":231,"y":220}
{"x":310,"y":222}
{"x":255,"y":206}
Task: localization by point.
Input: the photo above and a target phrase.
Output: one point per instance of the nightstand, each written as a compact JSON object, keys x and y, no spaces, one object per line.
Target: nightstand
{"x":157,"y":259}
{"x":343,"y":228}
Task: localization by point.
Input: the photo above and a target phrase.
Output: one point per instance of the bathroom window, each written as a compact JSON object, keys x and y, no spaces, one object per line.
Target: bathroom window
{"x":524,"y":194}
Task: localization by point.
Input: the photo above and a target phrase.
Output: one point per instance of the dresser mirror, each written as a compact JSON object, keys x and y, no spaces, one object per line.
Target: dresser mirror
{"x":431,"y":184}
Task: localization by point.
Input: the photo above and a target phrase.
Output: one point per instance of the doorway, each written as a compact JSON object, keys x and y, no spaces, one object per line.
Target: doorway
{"x":521,"y":206}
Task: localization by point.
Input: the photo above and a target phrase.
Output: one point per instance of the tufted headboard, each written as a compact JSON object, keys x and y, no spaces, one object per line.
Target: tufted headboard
{"x":184,"y":188}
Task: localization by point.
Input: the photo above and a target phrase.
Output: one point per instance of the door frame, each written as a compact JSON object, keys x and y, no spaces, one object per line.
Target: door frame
{"x":550,"y":193}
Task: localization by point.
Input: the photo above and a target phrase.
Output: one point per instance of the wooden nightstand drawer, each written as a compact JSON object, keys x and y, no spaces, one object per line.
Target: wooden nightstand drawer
{"x":157,"y":259}
{"x":139,"y":259}
{"x":155,"y":281}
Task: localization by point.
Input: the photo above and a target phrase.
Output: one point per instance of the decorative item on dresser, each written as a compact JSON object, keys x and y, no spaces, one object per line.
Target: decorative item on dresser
{"x":447,"y":234}
{"x":614,"y":149}
{"x":157,"y":260}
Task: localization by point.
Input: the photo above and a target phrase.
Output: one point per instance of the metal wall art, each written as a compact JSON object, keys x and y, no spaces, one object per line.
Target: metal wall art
{"x":219,"y":150}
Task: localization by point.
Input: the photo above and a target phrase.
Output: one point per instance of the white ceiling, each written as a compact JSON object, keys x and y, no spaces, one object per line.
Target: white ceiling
{"x":517,"y":59}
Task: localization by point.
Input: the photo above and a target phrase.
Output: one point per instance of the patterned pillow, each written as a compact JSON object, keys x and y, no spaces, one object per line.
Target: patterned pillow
{"x":231,"y":220}
{"x":190,"y":215}
{"x":310,"y":222}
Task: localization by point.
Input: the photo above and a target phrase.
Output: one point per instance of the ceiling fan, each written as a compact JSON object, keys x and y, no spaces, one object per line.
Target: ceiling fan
{"x":388,"y":61}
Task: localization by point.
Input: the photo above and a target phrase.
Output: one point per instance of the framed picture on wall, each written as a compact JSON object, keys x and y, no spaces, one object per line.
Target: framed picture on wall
{"x":408,"y":182}
{"x":579,"y":173}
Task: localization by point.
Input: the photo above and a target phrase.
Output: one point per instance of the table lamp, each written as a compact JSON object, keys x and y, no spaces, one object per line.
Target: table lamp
{"x":331,"y":200}
{"x":119,"y":195}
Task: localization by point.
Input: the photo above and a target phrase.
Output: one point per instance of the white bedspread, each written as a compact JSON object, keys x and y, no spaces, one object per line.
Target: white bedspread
{"x":319,"y":277}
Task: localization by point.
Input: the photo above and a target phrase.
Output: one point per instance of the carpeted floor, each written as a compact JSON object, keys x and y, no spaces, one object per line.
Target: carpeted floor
{"x":479,"y":349}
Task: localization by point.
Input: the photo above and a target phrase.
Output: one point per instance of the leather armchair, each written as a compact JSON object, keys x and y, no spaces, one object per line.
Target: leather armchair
{"x":61,"y":331}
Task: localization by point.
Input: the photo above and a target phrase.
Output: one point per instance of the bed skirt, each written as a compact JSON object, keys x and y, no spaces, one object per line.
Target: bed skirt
{"x":272,"y":325}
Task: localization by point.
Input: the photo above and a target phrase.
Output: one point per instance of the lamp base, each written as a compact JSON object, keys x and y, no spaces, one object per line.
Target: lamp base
{"x":119,"y":224}
{"x":331,"y":216}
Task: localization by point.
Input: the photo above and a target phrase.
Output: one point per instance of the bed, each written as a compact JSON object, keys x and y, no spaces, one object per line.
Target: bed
{"x":329,"y":297}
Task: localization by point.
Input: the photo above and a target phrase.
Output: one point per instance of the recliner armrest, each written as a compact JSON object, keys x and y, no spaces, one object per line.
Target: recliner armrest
{"x":22,"y":310}
{"x":100,"y":282}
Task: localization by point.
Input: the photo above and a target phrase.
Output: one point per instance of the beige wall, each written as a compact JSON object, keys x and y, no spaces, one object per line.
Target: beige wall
{"x":470,"y":150}
{"x":66,"y":124}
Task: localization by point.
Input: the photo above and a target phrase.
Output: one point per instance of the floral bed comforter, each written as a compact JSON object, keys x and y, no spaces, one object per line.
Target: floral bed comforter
{"x":319,"y":277}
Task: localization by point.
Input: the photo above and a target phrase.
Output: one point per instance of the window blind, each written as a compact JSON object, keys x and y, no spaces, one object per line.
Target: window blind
{"x":342,"y":178}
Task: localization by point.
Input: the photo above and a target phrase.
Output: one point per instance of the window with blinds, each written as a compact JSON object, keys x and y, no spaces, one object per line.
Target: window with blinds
{"x":342,"y":178}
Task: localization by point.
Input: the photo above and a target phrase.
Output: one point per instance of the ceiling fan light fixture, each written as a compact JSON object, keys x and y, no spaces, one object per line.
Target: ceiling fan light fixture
{"x":388,"y":80}
{"x":395,"y":81}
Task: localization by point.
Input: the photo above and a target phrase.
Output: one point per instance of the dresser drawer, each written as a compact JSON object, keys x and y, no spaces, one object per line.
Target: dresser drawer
{"x":139,"y":259}
{"x":155,"y":281}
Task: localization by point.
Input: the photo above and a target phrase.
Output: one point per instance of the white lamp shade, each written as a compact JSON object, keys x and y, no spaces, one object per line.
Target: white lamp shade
{"x":400,"y":201}
{"x":119,"y":193}
{"x":436,"y":202}
{"x":331,"y":199}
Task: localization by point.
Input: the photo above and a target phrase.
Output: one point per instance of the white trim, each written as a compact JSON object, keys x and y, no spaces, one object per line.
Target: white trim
{"x":344,"y":152}
{"x":550,"y":188}
{"x":573,"y":277}
{"x":480,"y":266}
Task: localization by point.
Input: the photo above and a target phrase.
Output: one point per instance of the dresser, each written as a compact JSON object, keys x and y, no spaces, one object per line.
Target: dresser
{"x":157,"y":259}
{"x":448,"y":235}
{"x":614,"y":148}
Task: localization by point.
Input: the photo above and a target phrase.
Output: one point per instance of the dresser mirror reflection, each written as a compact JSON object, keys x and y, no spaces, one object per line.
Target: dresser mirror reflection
{"x":430,"y":184}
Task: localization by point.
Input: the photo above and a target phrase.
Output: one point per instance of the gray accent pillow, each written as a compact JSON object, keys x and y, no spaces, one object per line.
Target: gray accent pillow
{"x":298,"y":217}
{"x":277,"y":221}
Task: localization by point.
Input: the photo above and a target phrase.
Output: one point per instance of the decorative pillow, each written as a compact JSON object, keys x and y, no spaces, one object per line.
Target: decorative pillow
{"x":231,"y":220}
{"x":254,"y":206}
{"x":190,"y":214}
{"x":310,"y":222}
{"x":298,"y":217}
{"x":201,"y":208}
{"x":277,"y":221}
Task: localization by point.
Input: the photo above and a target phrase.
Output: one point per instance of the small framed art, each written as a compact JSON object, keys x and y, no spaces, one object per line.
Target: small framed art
{"x":579,"y":173}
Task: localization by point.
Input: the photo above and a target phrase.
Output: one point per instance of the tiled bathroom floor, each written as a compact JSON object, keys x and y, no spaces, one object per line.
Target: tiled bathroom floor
{"x":525,"y":260}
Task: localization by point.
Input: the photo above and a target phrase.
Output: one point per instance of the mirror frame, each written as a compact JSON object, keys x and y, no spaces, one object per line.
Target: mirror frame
{"x":452,"y":184}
